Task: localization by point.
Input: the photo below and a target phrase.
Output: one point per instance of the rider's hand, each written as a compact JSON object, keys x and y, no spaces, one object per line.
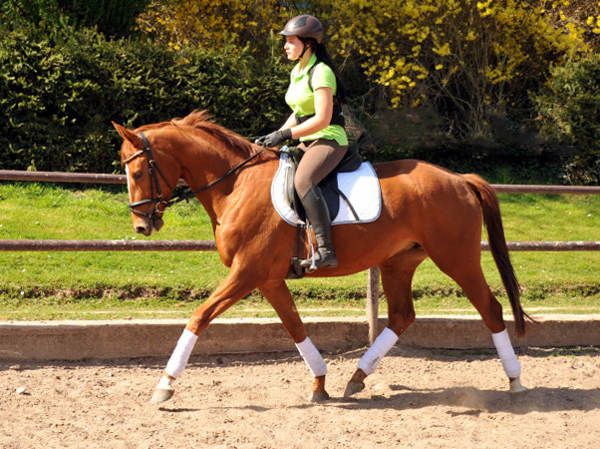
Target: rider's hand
{"x":270,"y":140}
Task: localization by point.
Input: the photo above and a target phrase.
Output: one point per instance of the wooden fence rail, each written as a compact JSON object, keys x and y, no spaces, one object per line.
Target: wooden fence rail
{"x":99,"y":178}
{"x":209,"y":245}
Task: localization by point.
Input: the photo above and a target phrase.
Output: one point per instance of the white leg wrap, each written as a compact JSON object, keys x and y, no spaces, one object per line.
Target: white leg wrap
{"x":312,"y":357}
{"x":182,"y":353}
{"x":511,"y":365}
{"x":386,"y":340}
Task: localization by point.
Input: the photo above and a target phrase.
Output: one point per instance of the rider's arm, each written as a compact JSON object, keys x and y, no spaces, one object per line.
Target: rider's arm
{"x":289,"y":123}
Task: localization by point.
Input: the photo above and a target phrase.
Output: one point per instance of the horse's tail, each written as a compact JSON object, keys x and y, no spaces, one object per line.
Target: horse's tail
{"x":497,"y":241}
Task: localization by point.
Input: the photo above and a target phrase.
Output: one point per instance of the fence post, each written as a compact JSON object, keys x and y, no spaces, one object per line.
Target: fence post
{"x":373,"y":303}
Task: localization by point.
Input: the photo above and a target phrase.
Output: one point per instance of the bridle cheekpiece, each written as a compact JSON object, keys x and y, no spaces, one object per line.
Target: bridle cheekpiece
{"x":154,"y":171}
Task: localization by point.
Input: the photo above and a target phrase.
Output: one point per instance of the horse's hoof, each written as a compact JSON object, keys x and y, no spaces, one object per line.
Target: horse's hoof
{"x":318,"y":396}
{"x":162,"y":395}
{"x":516,"y":387}
{"x":353,"y":388}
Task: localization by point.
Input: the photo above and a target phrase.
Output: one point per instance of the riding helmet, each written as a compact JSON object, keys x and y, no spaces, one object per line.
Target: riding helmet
{"x":305,"y":26}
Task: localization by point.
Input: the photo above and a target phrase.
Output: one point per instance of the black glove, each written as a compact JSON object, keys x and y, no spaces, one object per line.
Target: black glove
{"x":270,"y":140}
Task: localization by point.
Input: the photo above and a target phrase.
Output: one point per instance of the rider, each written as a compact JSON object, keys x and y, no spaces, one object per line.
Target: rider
{"x":315,"y":95}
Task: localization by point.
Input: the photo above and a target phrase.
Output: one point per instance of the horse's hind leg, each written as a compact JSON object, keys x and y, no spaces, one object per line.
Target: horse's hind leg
{"x":280,"y":298}
{"x":464,"y":266}
{"x":396,"y":277}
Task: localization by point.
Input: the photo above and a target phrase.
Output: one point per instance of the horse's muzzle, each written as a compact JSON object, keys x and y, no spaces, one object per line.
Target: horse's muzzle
{"x":147,"y":226}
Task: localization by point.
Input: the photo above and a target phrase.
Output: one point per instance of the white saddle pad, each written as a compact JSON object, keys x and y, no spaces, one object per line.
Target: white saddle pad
{"x":361,"y":187}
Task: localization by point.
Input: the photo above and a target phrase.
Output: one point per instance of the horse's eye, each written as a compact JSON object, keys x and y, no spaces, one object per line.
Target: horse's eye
{"x":138,"y":174}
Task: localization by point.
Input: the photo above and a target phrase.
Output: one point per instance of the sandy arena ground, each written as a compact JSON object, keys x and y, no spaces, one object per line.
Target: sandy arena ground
{"x":416,"y":399}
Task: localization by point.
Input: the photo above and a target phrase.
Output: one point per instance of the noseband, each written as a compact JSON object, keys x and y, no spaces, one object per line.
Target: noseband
{"x":180,"y":193}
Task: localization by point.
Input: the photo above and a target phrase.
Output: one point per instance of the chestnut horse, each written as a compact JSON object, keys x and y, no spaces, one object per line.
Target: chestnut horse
{"x":427,"y":211}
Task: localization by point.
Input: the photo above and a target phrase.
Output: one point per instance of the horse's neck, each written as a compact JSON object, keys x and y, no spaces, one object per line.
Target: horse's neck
{"x":200,"y":172}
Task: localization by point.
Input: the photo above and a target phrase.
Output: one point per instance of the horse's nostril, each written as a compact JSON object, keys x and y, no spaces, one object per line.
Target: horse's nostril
{"x":140,"y":229}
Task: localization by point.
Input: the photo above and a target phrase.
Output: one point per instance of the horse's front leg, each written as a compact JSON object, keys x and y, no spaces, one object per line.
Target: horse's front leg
{"x":279,"y":296}
{"x":231,"y":290}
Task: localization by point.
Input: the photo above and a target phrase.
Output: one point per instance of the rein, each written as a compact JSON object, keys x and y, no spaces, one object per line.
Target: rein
{"x":182,"y":193}
{"x":179,"y":193}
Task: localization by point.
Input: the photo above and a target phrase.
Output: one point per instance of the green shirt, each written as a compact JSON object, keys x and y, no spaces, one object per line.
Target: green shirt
{"x":301,"y":98}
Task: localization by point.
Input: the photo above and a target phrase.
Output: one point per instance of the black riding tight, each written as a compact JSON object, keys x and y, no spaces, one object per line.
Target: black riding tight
{"x":319,"y":159}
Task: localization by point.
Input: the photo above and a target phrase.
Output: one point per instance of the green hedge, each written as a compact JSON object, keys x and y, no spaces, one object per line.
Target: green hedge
{"x":60,"y":89}
{"x":570,"y":114}
{"x":110,"y":17}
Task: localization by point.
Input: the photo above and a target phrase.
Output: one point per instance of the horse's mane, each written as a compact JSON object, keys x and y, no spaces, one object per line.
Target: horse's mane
{"x":201,"y":120}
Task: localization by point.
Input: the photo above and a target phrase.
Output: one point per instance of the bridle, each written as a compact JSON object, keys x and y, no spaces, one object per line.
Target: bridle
{"x":154,"y":171}
{"x":179,"y":193}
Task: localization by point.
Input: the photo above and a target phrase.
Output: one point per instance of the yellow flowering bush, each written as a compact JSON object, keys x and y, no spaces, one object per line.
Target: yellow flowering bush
{"x":583,"y":14}
{"x":230,"y":24}
{"x":470,"y":59}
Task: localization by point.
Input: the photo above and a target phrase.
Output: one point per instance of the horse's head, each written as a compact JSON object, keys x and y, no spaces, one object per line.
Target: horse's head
{"x":151,"y":177}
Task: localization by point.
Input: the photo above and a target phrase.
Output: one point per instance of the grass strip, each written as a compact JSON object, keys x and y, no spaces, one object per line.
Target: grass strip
{"x":84,"y":285}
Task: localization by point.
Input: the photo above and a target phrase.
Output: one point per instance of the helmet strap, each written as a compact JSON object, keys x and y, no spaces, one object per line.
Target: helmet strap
{"x":306,"y":47}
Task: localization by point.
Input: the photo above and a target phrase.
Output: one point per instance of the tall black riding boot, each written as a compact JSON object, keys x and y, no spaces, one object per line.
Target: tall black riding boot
{"x":318,"y":214}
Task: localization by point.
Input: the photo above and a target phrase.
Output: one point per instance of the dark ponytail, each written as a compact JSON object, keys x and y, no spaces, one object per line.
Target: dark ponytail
{"x":322,"y":56}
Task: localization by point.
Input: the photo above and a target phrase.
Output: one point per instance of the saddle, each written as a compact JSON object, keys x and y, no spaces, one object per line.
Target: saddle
{"x":329,"y":186}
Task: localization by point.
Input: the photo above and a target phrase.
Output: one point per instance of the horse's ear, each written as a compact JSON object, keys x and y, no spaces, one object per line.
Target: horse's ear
{"x":129,"y":135}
